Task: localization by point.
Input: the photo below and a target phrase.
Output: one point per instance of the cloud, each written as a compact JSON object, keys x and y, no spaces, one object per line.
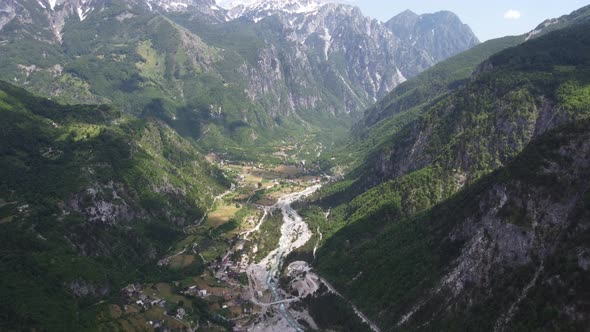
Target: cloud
{"x":512,"y":14}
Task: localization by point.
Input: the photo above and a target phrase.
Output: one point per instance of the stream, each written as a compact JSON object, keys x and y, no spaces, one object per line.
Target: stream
{"x":294,"y":234}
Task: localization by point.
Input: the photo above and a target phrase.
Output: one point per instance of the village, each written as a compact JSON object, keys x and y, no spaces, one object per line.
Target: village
{"x":220,"y":296}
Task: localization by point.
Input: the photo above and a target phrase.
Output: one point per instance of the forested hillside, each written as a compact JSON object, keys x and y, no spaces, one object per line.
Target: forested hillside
{"x":421,"y":219}
{"x":90,"y":200}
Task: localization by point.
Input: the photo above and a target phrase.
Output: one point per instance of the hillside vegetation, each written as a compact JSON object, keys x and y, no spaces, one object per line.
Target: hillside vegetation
{"x":427,"y":182}
{"x":382,"y":121}
{"x":90,"y":198}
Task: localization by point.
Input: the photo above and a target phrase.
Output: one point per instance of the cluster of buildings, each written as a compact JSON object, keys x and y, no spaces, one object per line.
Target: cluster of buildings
{"x":134,"y":294}
{"x":195,"y":291}
{"x":227,"y":270}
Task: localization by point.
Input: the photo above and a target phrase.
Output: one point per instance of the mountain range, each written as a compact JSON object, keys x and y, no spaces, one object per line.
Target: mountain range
{"x":468,"y":192}
{"x":455,"y":173}
{"x":243,"y":76}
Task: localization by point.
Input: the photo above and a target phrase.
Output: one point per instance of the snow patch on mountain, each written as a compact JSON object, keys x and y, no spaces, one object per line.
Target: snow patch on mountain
{"x":83,"y":13}
{"x":265,"y":8}
{"x":52,"y":4}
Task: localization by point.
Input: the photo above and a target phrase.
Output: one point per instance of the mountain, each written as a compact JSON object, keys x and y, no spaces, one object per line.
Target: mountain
{"x":508,"y":254}
{"x":463,"y":203}
{"x":382,"y":121}
{"x":337,"y":24}
{"x":440,"y":35}
{"x":250,"y":76}
{"x":90,"y":200}
{"x":579,"y":16}
{"x":457,"y":205}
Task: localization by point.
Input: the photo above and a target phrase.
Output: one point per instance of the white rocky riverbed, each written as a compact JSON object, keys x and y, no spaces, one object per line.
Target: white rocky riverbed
{"x":263,"y":276}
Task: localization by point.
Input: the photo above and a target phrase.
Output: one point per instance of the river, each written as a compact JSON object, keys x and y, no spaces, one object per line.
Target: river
{"x":294,"y":234}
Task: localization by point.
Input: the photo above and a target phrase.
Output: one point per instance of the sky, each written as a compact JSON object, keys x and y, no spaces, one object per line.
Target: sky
{"x":488,"y":19}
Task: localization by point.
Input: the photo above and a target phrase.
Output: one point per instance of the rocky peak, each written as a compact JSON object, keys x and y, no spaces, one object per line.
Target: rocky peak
{"x":258,"y":10}
{"x":7,"y":12}
{"x":441,"y":34}
{"x":407,"y":18}
{"x":204,"y":6}
{"x":55,"y":13}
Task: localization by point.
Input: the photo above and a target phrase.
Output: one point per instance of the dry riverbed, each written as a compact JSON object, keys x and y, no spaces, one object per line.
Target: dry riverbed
{"x":239,"y":290}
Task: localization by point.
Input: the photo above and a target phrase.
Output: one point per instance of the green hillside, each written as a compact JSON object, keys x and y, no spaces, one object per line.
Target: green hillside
{"x":438,"y":160}
{"x":90,"y":199}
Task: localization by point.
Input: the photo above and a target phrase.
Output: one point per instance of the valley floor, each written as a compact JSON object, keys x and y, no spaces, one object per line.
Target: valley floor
{"x":242,"y":243}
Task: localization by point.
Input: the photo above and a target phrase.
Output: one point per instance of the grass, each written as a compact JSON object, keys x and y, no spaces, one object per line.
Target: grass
{"x":135,"y":320}
{"x":211,"y":249}
{"x":152,"y":66}
{"x":165,"y":291}
{"x":287,"y":170}
{"x":182,"y":261}
{"x":222,"y":215}
{"x":80,"y":131}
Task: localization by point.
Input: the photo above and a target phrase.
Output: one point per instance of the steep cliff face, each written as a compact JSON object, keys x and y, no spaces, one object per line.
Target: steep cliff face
{"x":336,"y":54}
{"x":464,"y":201}
{"x":410,"y":100}
{"x":7,"y":12}
{"x":403,"y":108}
{"x":266,"y":68}
{"x":493,"y":257}
{"x":491,"y":119}
{"x":439,"y":35}
{"x":376,"y":58}
{"x":521,"y":237}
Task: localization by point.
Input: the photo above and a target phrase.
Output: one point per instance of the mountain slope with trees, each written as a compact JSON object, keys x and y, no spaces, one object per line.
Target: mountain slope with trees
{"x":251,"y":80}
{"x":90,"y":200}
{"x":504,"y":132}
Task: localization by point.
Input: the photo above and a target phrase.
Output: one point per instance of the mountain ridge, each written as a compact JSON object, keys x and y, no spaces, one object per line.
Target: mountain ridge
{"x":504,"y":123}
{"x":291,"y":74}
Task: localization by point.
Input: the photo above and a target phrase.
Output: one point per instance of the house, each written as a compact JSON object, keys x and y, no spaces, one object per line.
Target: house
{"x":131,"y":290}
{"x":192,"y":291}
{"x":180,"y":313}
{"x":23,"y":208}
{"x":202,"y":292}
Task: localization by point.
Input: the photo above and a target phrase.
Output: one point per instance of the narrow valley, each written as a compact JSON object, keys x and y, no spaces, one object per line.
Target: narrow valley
{"x":241,"y":286}
{"x":294,"y":166}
